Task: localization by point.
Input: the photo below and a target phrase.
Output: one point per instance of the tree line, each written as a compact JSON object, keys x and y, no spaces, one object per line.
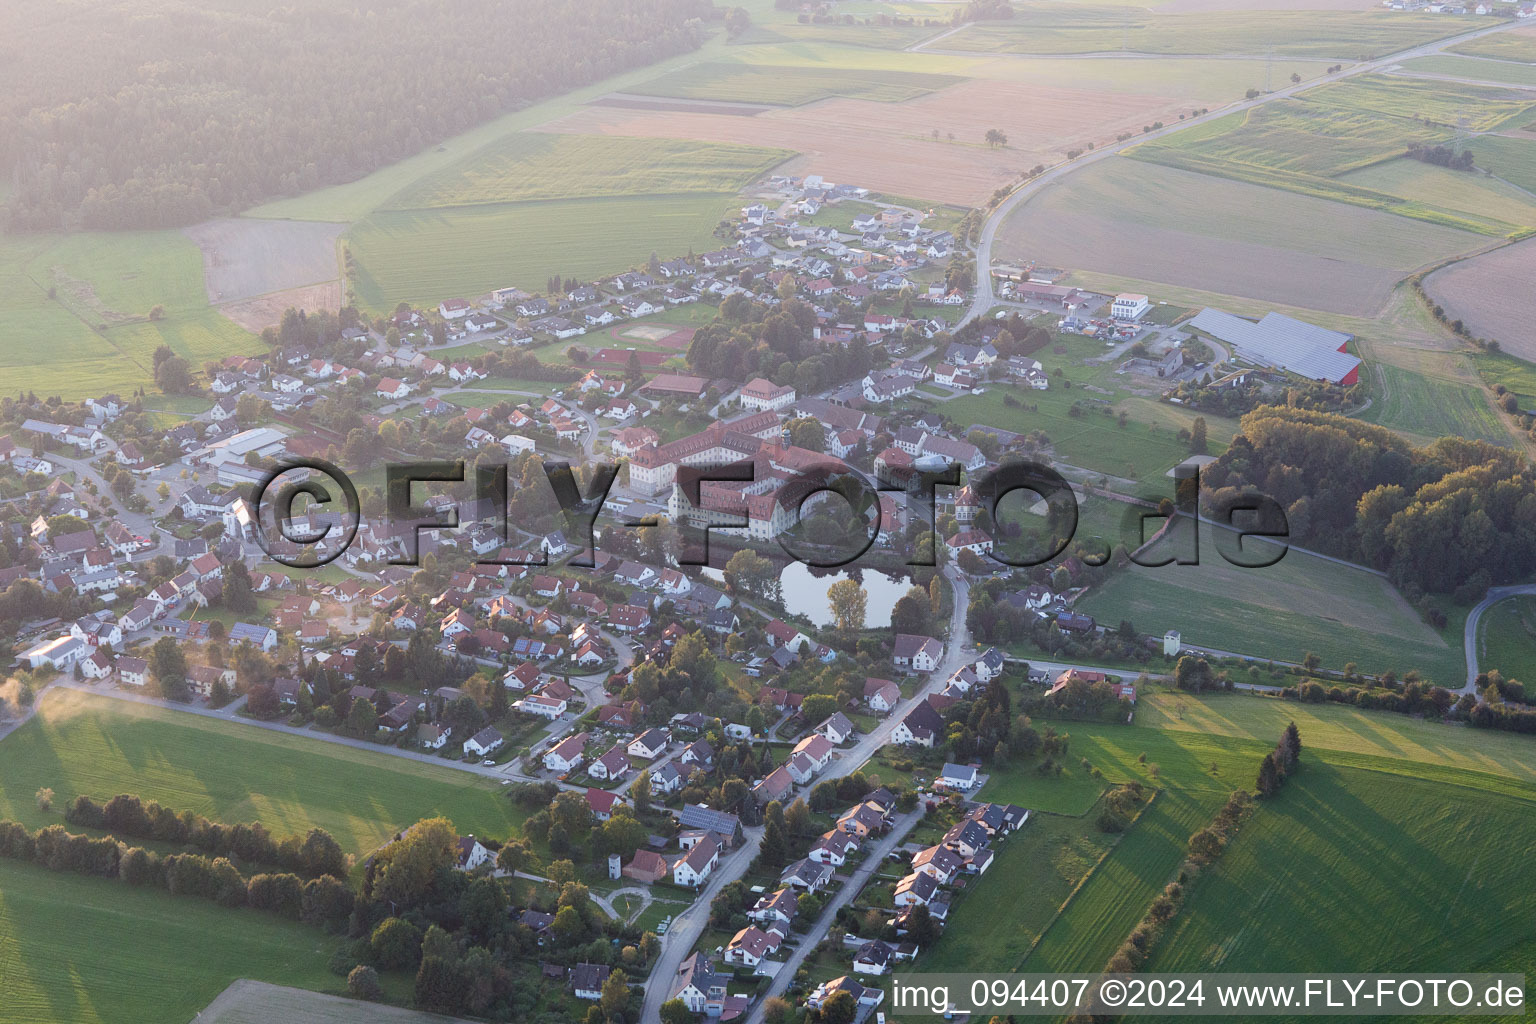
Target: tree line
{"x":324,"y":901}
{"x":191,"y":110}
{"x":1455,"y":516}
{"x":310,"y":856}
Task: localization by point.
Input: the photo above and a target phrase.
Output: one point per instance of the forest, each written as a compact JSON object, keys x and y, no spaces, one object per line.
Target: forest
{"x":1453,"y":517}
{"x":159,"y":113}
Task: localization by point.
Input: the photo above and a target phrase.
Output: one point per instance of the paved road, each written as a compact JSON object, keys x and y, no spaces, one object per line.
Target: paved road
{"x":1469,"y":637}
{"x":688,"y":926}
{"x":985,"y":299}
{"x":860,"y":878}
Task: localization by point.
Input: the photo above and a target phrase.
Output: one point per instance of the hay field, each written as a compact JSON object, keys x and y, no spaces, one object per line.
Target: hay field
{"x":1160,"y":224}
{"x":1458,"y":193}
{"x":1478,"y":68}
{"x":1491,"y":294}
{"x":530,"y":166}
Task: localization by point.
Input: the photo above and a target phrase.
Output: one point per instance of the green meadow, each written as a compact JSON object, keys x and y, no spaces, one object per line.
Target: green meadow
{"x":233,"y":772}
{"x":1302,"y":603}
{"x":1407,"y":832}
{"x":1430,"y":407}
{"x":419,"y":256}
{"x":1506,"y":638}
{"x":95,"y":951}
{"x":78,"y":311}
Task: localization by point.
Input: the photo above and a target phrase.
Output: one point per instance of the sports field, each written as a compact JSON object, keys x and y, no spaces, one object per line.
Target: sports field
{"x":425,"y":256}
{"x":1507,"y":638}
{"x":1179,"y":227}
{"x":1081,"y":28}
{"x":540,"y":166}
{"x":95,"y":951}
{"x":791,"y":85}
{"x":1303,"y":603}
{"x":232,"y":772}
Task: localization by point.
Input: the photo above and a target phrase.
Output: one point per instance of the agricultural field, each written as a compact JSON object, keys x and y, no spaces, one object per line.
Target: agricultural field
{"x":83,"y":301}
{"x":1383,"y":873}
{"x":86,"y":744}
{"x":790,"y":85}
{"x":1302,"y":603}
{"x":1506,"y":638}
{"x":1510,"y":157}
{"x":532,"y":166}
{"x":1505,"y":760}
{"x":1194,"y":752}
{"x":425,"y":255}
{"x":1428,"y":407}
{"x":83,"y":949}
{"x":1516,"y":375}
{"x":1477,"y":68}
{"x":1517,"y":44}
{"x":1490,"y":293}
{"x":1459,"y":193}
{"x":1163,"y":224}
{"x":254,"y":1002}
{"x":1080,"y":28}
{"x":1331,"y":143}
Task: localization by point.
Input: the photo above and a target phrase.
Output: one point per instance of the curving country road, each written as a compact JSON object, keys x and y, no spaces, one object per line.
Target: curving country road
{"x":985,"y":298}
{"x":1469,"y":637}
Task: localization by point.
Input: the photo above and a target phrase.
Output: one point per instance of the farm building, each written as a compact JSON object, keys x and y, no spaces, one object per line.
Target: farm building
{"x":1281,"y":341}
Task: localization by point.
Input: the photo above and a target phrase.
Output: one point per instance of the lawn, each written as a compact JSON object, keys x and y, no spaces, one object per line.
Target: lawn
{"x":1078,"y":28}
{"x":90,"y":950}
{"x":1507,"y":638}
{"x":1375,"y":872}
{"x":425,"y":256}
{"x":792,"y":85}
{"x":1516,"y":375}
{"x":1303,"y":603}
{"x":233,"y":772}
{"x":1431,"y":407}
{"x":537,"y":166}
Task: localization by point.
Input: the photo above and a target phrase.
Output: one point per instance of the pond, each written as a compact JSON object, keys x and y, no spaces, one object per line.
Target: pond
{"x":804,"y":591}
